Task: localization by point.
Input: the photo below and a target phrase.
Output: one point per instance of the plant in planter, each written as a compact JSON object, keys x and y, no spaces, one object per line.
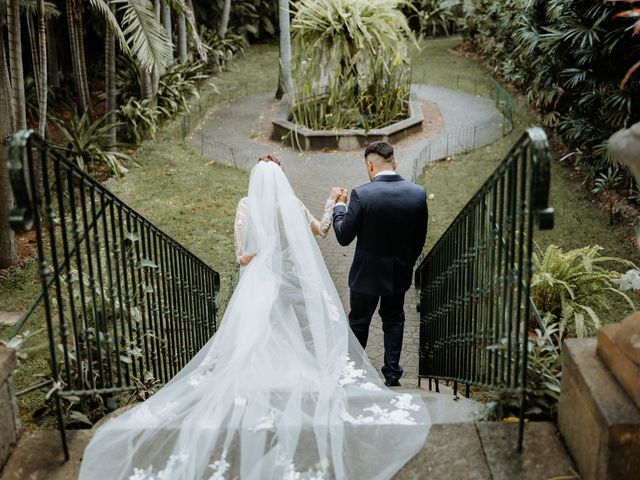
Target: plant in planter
{"x":351,"y":63}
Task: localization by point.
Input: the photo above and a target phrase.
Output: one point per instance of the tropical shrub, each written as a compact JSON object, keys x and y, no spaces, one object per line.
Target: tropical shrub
{"x":83,"y":142}
{"x":222,"y":51}
{"x":255,"y":19}
{"x":178,"y":85}
{"x":138,"y":120}
{"x":544,"y":372}
{"x":569,"y":57}
{"x":127,"y":77}
{"x":571,"y":289}
{"x":351,"y":63}
{"x":434,"y":17}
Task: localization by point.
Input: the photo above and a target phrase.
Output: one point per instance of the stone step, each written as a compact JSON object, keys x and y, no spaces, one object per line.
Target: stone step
{"x":469,"y":451}
{"x":487,"y":451}
{"x":599,"y":421}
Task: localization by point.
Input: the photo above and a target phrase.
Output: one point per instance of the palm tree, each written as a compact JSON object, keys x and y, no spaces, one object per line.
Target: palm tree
{"x":111,"y":92}
{"x":182,"y":38}
{"x":78,"y":63}
{"x":286,"y":78}
{"x":7,"y":238}
{"x":224,"y":24}
{"x":39,"y":57}
{"x":166,"y":21}
{"x":15,"y":61}
{"x":141,"y":36}
{"x":42,"y":47}
{"x":53,"y":69}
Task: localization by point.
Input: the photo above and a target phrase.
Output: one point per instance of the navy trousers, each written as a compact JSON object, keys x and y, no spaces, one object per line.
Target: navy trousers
{"x":391,"y":311}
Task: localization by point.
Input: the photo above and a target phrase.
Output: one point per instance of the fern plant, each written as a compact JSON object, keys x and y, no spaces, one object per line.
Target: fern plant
{"x":570,"y":289}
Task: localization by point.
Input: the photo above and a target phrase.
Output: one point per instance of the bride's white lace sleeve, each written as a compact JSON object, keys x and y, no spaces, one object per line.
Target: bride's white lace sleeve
{"x":320,"y":228}
{"x":242,"y":213}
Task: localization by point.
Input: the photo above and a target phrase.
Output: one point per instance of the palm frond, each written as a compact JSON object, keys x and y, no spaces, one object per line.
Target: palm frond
{"x":102,"y":8}
{"x":181,"y":8}
{"x":147,"y":38}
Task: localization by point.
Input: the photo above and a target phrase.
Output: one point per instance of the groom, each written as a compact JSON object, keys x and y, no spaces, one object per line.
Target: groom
{"x":389,"y":218}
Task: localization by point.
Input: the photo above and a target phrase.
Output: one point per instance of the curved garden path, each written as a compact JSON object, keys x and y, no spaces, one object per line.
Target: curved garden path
{"x":240,"y":127}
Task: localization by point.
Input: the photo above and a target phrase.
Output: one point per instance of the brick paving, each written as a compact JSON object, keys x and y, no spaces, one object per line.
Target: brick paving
{"x":313,"y":174}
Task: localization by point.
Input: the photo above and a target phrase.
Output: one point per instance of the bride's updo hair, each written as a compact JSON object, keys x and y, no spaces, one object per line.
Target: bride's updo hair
{"x":270,"y":158}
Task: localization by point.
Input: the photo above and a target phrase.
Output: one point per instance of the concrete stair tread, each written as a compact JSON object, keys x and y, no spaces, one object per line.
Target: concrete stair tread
{"x":469,"y":451}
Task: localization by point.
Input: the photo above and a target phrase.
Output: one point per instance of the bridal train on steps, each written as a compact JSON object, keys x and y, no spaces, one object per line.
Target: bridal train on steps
{"x":282,"y":391}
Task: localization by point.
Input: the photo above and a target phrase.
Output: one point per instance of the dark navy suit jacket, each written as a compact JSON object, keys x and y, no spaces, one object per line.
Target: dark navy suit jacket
{"x":389,"y":218}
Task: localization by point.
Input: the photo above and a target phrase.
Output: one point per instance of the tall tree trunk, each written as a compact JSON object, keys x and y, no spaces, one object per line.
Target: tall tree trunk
{"x":286,"y":78}
{"x":110,"y":83}
{"x":76,"y":41}
{"x":182,"y":38}
{"x":224,"y":24}
{"x":7,"y":238}
{"x":35,"y":53}
{"x":38,"y":41}
{"x":148,"y":80}
{"x":166,"y":21}
{"x":42,"y":70}
{"x":53,"y":69}
{"x":15,"y":60}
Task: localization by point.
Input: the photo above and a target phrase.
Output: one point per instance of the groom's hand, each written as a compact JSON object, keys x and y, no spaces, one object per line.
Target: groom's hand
{"x":344,"y":196}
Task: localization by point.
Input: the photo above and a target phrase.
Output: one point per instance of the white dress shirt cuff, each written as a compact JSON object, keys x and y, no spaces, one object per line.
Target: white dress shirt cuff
{"x":341,"y":204}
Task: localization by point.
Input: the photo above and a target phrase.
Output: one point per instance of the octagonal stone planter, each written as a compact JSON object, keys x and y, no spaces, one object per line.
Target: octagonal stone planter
{"x":306,"y":139}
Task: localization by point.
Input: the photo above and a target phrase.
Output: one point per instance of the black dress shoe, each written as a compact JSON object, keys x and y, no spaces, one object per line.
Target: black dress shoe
{"x":392,"y":383}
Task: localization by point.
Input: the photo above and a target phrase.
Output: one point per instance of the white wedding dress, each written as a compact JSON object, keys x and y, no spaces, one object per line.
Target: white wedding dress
{"x":282,"y":391}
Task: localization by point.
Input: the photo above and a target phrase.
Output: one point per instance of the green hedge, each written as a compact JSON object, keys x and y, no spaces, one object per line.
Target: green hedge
{"x":569,"y":57}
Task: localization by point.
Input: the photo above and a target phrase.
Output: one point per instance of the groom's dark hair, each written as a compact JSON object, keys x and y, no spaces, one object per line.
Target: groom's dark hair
{"x":380,"y":148}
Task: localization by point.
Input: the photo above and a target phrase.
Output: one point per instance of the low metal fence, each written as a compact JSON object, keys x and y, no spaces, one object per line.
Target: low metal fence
{"x":123,"y":302}
{"x":474,"y":284}
{"x":471,"y":137}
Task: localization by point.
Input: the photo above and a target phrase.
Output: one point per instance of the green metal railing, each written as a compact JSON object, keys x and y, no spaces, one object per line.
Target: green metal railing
{"x":474,"y":284}
{"x":123,"y":302}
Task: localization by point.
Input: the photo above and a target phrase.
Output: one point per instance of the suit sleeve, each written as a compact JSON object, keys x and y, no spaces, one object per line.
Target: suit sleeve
{"x":421,"y":229}
{"x":347,"y":222}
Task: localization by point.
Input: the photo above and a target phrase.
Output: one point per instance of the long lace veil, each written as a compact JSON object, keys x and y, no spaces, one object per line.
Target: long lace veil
{"x":283,"y":390}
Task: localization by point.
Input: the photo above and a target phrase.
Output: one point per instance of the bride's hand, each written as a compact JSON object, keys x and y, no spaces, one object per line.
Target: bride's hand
{"x":336,"y":192}
{"x":244,"y":261}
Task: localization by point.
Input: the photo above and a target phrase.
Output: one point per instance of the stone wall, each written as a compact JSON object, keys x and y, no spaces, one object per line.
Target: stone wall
{"x":9,"y":427}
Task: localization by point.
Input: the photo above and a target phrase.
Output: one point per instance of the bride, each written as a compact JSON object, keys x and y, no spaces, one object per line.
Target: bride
{"x":283,"y":390}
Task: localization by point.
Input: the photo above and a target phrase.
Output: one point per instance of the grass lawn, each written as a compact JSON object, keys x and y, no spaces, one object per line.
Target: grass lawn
{"x":189,"y":197}
{"x":578,"y":221}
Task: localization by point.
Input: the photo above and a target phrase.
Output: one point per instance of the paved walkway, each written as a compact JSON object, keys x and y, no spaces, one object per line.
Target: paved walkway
{"x":312,"y":174}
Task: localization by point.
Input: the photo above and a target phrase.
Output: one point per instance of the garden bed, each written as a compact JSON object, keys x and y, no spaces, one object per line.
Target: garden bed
{"x":285,"y":130}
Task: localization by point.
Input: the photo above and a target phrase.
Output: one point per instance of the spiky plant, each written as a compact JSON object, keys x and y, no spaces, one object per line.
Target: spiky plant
{"x":83,"y":144}
{"x":351,"y":63}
